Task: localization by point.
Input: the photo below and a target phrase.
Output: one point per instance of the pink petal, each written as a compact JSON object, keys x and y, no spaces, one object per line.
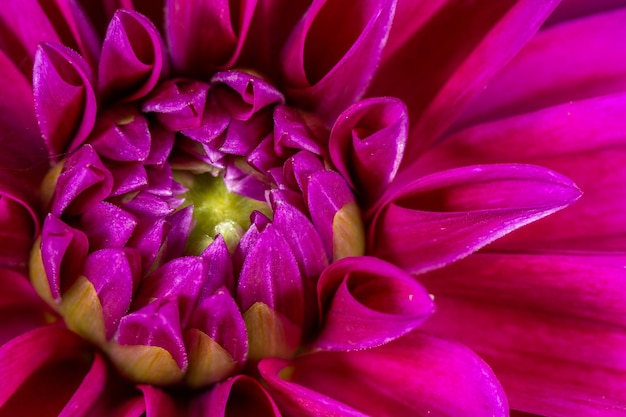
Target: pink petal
{"x":294,"y":129}
{"x":204,"y":36}
{"x":551,"y":326}
{"x":89,"y":390}
{"x":367,"y":144}
{"x":327,"y":70}
{"x":220,"y":272}
{"x":443,"y":217}
{"x":65,"y":103}
{"x":556,"y":70}
{"x":179,"y":104}
{"x":122,"y":133}
{"x":107,"y":226}
{"x":365,"y":302}
{"x":132,"y":57}
{"x":414,"y":375}
{"x":435,"y":79}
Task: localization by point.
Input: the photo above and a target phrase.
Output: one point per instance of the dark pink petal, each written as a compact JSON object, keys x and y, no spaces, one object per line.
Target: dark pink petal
{"x":89,"y":391}
{"x":180,"y":279}
{"x":367,"y":144}
{"x":215,"y":120}
{"x":132,"y":58}
{"x":436,"y":70}
{"x":366,"y":302}
{"x":21,"y":308}
{"x":205,"y":36}
{"x":572,"y":61}
{"x":128,"y":177}
{"x":150,"y":205}
{"x":83,"y":183}
{"x":239,"y":396}
{"x":299,"y":167}
{"x":17,"y":119}
{"x":243,"y":136}
{"x":218,"y":316}
{"x":50,"y":363}
{"x":158,"y":402}
{"x":156,"y":324}
{"x":115,"y":274}
{"x":247,"y":94}
{"x":161,"y":145}
{"x":148,"y":239}
{"x":107,"y":226}
{"x":65,"y":103}
{"x":220,"y":272}
{"x":122,"y":134}
{"x":574,"y":9}
{"x":179,"y":104}
{"x":63,"y":251}
{"x":270,"y":275}
{"x":297,"y":130}
{"x":445,"y":216}
{"x":550,"y":325}
{"x":327,"y":70}
{"x":414,"y":375}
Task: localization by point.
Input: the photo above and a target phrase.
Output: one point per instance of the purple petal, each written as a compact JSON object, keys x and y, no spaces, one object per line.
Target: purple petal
{"x":367,"y":144}
{"x":148,"y":239}
{"x":132,"y":58}
{"x":366,"y":302}
{"x":327,"y":70}
{"x":83,"y":183}
{"x":297,"y":130}
{"x":162,"y":142}
{"x":128,"y":177}
{"x":107,"y":226}
{"x":414,"y":375}
{"x":63,"y":250}
{"x":220,"y":272}
{"x":122,"y":134}
{"x":115,"y":274}
{"x":243,"y":136}
{"x":270,"y":275}
{"x":179,"y":104}
{"x":181,"y":222}
{"x":215,"y":120}
{"x":299,"y":167}
{"x":238,"y":396}
{"x":204,"y":36}
{"x":65,"y":103}
{"x":443,"y":217}
{"x":157,"y":324}
{"x":550,"y":325}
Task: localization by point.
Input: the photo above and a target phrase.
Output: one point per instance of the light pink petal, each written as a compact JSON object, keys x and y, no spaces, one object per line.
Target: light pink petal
{"x":414,"y":375}
{"x":437,"y":69}
{"x":205,"y":36}
{"x":239,"y":396}
{"x":48,"y":363}
{"x":551,"y":326}
{"x":366,"y":302}
{"x":132,"y":58}
{"x":65,"y":102}
{"x":572,"y":61}
{"x":327,"y":70}
{"x":445,"y":216}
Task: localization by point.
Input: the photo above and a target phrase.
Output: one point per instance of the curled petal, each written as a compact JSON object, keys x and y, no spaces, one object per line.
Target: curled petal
{"x":414,"y":375}
{"x":204,"y":36}
{"x":90,"y":389}
{"x":65,"y":102}
{"x":367,"y":143}
{"x":237,"y":396}
{"x":296,"y":130}
{"x":132,"y":58}
{"x":327,"y":70}
{"x":365,"y":302}
{"x":178,"y":104}
{"x":122,"y":134}
{"x":443,"y":217}
{"x":83,"y":183}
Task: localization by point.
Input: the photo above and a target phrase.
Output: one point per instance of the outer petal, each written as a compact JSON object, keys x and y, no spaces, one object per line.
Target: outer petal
{"x":416,"y":375}
{"x":445,"y":216}
{"x":437,"y":70}
{"x":329,"y":70}
{"x":551,"y":326}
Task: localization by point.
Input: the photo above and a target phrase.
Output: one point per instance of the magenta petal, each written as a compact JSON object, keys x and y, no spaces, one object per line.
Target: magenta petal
{"x":297,"y":130}
{"x":92,"y":386}
{"x":204,"y":36}
{"x":63,"y":250}
{"x":132,"y":58}
{"x":148,"y":239}
{"x":367,"y":143}
{"x":414,"y":375}
{"x":550,"y":325}
{"x":270,"y":275}
{"x":327,"y":70}
{"x":178,"y":104}
{"x":445,"y":216}
{"x":179,"y":279}
{"x":107,"y":226}
{"x":237,"y":396}
{"x":83,"y":183}
{"x":218,"y":316}
{"x":365,"y":302}
{"x":65,"y":103}
{"x":122,"y":134}
{"x":115,"y":275}
{"x":220,"y":272}
{"x":157,"y":324}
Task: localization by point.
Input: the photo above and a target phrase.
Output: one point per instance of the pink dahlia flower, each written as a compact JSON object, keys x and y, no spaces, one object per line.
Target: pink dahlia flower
{"x":311,"y":208}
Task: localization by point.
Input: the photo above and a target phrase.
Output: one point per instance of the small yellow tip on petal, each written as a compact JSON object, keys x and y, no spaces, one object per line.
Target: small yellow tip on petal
{"x":348,"y":232}
{"x":208,"y":361}
{"x":270,"y":334}
{"x":145,"y":364}
{"x":82,"y":311}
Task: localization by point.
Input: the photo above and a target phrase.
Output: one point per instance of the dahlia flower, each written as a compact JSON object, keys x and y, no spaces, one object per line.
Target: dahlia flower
{"x":312,"y":208}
